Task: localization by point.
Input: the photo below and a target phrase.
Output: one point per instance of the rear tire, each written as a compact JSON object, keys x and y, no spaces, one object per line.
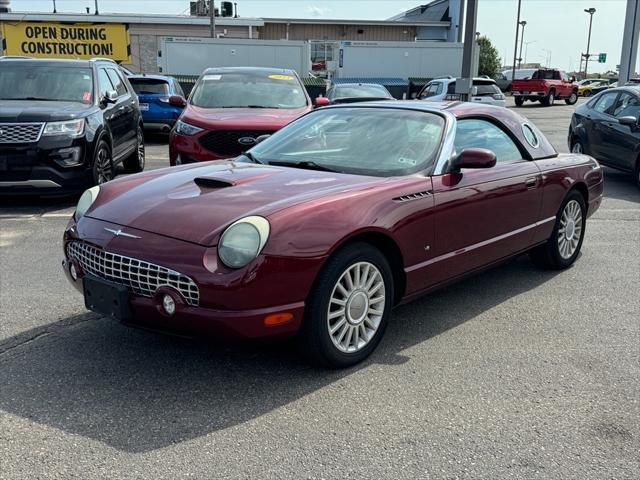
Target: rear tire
{"x":549,"y":99}
{"x":348,"y":308}
{"x":135,"y":162}
{"x":587,"y":93}
{"x":637,"y":173}
{"x":563,"y":247}
{"x":572,"y":99}
{"x":519,"y":101}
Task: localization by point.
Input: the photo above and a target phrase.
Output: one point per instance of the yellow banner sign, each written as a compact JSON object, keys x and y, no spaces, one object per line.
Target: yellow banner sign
{"x":60,"y":40}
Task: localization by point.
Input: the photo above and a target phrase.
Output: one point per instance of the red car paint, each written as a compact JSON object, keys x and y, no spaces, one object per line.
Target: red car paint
{"x":467,"y":221}
{"x":191,"y":148}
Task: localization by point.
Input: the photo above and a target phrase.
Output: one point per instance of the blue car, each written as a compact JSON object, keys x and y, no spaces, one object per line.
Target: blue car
{"x":153,"y":95}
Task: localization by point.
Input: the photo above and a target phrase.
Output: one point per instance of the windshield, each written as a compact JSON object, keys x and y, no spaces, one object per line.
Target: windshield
{"x":149,"y":86}
{"x":45,"y":82}
{"x":248,"y":89}
{"x":367,"y":141}
{"x":357,"y":91}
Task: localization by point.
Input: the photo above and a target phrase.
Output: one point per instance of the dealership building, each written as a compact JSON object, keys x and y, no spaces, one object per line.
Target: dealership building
{"x":135,"y":40}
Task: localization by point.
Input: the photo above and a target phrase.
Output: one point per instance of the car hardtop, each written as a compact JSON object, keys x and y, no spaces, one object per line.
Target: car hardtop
{"x":510,"y":121}
{"x":274,"y":71}
{"x":144,"y":76}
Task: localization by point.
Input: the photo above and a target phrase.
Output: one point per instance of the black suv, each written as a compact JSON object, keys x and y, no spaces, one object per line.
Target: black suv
{"x":65,"y":125}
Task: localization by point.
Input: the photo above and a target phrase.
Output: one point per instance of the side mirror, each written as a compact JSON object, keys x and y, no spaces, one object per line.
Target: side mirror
{"x":111,"y":96}
{"x":473,"y":158}
{"x":321,"y":102}
{"x":177,"y":101}
{"x":474,"y":91}
{"x":572,"y":79}
{"x":262,"y":138}
{"x":628,"y":120}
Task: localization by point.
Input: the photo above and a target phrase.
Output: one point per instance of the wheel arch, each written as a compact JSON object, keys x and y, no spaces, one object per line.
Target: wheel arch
{"x":389,"y":248}
{"x":582,"y":189}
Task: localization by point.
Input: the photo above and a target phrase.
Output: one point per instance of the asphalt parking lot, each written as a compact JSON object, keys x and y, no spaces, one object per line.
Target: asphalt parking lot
{"x":515,"y":373}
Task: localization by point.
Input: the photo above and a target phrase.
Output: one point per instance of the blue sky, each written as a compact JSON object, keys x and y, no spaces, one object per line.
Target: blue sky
{"x":559,"y":26}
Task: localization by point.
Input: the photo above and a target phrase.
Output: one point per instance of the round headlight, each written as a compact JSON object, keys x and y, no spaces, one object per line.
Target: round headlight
{"x":243,"y":241}
{"x":86,"y":200}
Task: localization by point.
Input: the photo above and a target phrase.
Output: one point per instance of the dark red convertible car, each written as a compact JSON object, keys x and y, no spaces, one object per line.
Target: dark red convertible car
{"x":321,"y":229}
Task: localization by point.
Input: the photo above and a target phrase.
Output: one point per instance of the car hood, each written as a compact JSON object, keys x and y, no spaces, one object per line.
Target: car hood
{"x":242,"y":118}
{"x":41,"y":111}
{"x":196,"y":203}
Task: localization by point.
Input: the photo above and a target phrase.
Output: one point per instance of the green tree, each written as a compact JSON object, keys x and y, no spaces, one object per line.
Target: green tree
{"x":489,"y":58}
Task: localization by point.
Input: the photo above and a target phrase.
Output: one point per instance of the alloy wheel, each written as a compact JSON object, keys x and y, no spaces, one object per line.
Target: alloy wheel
{"x":573,"y":98}
{"x":576,"y":148}
{"x":141,"y":157}
{"x":105,"y":172}
{"x":570,"y":230}
{"x":356,"y":307}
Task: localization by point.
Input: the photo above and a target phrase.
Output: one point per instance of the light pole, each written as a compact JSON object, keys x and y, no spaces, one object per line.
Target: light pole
{"x":590,"y":11}
{"x":55,"y":10}
{"x":515,"y":48}
{"x":526,"y":48}
{"x":547,"y":57}
{"x":97,"y":12}
{"x":523,"y":23}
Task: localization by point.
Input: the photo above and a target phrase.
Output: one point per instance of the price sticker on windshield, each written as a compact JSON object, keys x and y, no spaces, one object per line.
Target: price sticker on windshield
{"x":212,"y":77}
{"x":280,"y":77}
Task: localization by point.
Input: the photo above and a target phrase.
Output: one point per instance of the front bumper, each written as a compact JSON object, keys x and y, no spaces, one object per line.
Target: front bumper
{"x":529,"y":94}
{"x":232,"y":303}
{"x":37,"y":168}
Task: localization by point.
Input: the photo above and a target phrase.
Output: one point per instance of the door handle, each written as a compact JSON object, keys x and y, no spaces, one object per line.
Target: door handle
{"x":531,"y":182}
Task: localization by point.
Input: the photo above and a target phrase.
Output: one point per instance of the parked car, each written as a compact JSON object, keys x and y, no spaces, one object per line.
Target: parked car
{"x":323,"y":227}
{"x":484,"y":90}
{"x":65,"y":125}
{"x":229,"y":108}
{"x":607,"y":127}
{"x":591,"y":86}
{"x":504,"y":79}
{"x":154,"y":92}
{"x":546,"y":85}
{"x":357,"y":92}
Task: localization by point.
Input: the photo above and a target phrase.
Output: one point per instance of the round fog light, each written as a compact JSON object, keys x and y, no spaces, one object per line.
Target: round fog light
{"x":168,"y":304}
{"x":73,"y":272}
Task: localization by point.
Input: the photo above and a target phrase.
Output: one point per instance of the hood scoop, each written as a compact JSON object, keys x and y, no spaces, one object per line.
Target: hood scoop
{"x":210,"y":182}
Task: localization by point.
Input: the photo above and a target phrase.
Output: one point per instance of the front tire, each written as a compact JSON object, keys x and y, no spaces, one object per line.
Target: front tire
{"x":135,"y":162}
{"x":577,"y":147}
{"x":102,"y":164}
{"x":573,"y":98}
{"x":347,"y":311}
{"x":563,"y":247}
{"x":637,"y":173}
{"x":587,"y":93}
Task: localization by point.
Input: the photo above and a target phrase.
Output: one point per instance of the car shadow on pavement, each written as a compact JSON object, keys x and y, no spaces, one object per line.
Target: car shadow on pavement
{"x":33,"y":205}
{"x":138,"y":391}
{"x":620,"y":185}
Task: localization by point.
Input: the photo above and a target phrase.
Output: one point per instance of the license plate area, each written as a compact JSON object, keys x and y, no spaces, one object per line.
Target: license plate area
{"x":144,"y":107}
{"x":106,"y":298}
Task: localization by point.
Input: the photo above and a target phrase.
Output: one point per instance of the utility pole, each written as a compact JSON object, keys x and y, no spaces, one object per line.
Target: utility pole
{"x":547,"y":57}
{"x":515,"y":48}
{"x":590,"y":11}
{"x":465,"y":83}
{"x":97,"y":12}
{"x":55,"y":10}
{"x":526,"y":48}
{"x":523,"y":23}
{"x":630,"y":40}
{"x":212,"y":15}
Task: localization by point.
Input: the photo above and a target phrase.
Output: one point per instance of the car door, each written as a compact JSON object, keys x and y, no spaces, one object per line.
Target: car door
{"x":620,"y":142}
{"x":482,"y":215}
{"x":125,"y":114}
{"x":109,"y":109}
{"x":597,"y":116}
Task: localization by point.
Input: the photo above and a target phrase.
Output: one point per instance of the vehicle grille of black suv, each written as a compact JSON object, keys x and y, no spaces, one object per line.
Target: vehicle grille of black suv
{"x":20,"y":132}
{"x":226,"y":142}
{"x":142,"y":278}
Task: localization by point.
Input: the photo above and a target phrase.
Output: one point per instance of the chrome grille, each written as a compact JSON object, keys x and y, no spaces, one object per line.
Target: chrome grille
{"x":142,"y":278}
{"x":20,"y":132}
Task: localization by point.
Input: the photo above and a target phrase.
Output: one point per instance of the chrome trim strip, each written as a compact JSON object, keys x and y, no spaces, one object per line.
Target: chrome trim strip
{"x":32,"y":183}
{"x":475,"y":246}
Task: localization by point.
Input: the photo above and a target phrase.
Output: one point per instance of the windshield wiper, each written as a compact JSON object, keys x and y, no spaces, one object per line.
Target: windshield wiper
{"x":303,"y":164}
{"x":252,"y":157}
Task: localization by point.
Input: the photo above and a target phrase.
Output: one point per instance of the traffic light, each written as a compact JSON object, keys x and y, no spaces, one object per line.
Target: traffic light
{"x":227,"y":9}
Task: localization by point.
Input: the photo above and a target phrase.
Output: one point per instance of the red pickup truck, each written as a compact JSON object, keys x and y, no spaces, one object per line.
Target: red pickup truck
{"x":546,"y":85}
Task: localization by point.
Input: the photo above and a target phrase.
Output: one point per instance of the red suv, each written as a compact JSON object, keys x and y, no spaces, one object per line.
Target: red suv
{"x":230,"y":108}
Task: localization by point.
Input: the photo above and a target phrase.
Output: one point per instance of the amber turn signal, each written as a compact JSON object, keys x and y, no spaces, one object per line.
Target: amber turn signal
{"x":277,"y":319}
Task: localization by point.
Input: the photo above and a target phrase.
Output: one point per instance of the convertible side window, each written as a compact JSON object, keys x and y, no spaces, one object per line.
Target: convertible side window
{"x":475,"y":133}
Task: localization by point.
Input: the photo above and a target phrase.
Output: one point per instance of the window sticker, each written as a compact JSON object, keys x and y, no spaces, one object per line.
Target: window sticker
{"x":86,"y":97}
{"x":212,"y":77}
{"x":281,"y":77}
